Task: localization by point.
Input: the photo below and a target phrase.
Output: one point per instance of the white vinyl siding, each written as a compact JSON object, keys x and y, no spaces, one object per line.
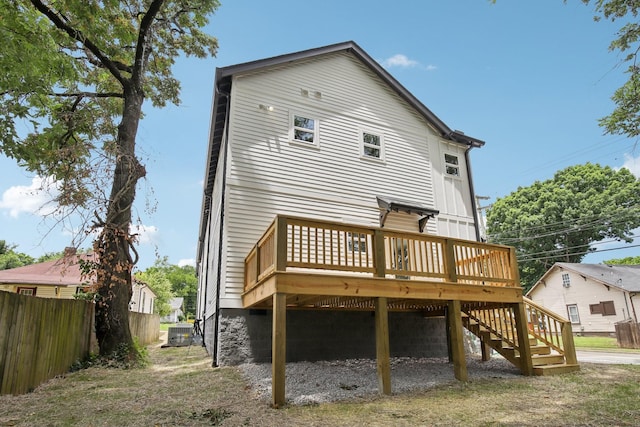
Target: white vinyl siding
{"x":267,"y":175}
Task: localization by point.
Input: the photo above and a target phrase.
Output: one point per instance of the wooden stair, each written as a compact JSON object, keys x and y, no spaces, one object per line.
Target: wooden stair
{"x":545,"y":360}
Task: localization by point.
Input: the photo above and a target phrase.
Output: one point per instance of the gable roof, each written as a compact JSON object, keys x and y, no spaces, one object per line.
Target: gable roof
{"x":622,"y":277}
{"x":61,"y":272}
{"x":222,"y":87}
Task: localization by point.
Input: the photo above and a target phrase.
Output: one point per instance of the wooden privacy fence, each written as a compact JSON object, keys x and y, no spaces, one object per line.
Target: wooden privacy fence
{"x":628,"y":334}
{"x":42,"y":337}
{"x":145,"y":326}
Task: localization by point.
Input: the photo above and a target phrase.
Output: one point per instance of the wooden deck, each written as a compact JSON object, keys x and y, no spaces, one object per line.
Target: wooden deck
{"x":311,"y":264}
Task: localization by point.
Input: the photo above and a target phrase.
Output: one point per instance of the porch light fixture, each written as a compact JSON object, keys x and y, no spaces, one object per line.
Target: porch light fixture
{"x":266,"y":107}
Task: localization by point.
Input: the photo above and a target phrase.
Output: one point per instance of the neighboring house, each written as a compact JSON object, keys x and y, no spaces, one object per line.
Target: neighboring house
{"x":594,"y":297}
{"x":176,"y":311}
{"x":63,"y":278}
{"x":331,"y":193}
{"x":143,"y":298}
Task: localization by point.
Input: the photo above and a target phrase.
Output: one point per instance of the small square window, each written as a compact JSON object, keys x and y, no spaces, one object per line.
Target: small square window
{"x":608,"y":309}
{"x":304,"y":129}
{"x":451,"y":165}
{"x":372,"y":145}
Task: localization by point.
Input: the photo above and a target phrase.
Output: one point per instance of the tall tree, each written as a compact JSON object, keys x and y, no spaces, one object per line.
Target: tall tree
{"x":9,"y":258}
{"x":557,"y":220}
{"x":75,"y":74}
{"x":625,"y":118}
{"x":184,"y":282}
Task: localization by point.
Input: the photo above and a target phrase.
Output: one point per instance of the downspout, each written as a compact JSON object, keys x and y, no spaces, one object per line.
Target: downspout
{"x":225,"y":141}
{"x":473,"y":193}
{"x":633,"y":307}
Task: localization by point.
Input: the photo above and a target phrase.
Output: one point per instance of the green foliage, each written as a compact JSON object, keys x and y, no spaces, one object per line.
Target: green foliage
{"x":65,"y":66}
{"x":9,"y":258}
{"x":159,"y":283}
{"x":184,"y":282}
{"x":625,"y":118}
{"x":125,"y":357}
{"x":557,"y":220}
{"x":75,"y":75}
{"x":630,"y":260}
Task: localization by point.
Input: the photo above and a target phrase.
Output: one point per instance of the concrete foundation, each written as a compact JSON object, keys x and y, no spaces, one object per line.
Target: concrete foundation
{"x":245,"y":335}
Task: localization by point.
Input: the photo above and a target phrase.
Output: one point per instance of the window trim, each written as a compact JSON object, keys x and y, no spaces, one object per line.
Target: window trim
{"x":569,"y":314}
{"x":453,"y":165}
{"x":363,"y":145}
{"x":33,"y":290}
{"x":293,"y":128}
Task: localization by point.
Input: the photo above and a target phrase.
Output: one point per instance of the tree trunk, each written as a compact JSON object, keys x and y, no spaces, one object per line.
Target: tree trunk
{"x":114,"y":243}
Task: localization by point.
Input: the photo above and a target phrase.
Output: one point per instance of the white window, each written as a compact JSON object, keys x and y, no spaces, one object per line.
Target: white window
{"x":357,"y":242}
{"x":304,"y":129}
{"x":451,"y":165}
{"x":371,"y":145}
{"x":572,"y":311}
{"x":566,"y":280}
{"x":27,"y":291}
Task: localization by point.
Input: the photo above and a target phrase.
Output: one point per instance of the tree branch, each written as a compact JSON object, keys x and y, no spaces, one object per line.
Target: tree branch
{"x":80,"y":37}
{"x":141,"y":47}
{"x":89,"y":94}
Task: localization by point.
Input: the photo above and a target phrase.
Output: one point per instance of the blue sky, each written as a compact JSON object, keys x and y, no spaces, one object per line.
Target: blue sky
{"x":531,"y":78}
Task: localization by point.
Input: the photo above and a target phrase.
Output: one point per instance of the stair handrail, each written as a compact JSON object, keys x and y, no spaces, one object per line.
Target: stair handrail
{"x":557,"y":334}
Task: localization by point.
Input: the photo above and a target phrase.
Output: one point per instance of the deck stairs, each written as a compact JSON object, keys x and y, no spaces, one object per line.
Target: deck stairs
{"x":550,"y":339}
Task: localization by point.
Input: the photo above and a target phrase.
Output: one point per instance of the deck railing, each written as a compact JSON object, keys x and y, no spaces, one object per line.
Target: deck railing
{"x":551,"y":329}
{"x":543,"y":325}
{"x":292,"y":243}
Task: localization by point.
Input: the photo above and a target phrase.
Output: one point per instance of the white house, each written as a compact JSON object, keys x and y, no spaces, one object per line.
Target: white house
{"x":592,"y":296}
{"x":325,"y":134}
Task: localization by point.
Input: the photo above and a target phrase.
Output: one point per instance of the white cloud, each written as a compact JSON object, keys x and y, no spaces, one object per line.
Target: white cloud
{"x":633,"y":164}
{"x":399,"y":60}
{"x":34,"y":199}
{"x":431,"y":67}
{"x":147,"y":234}
{"x":189,"y":261}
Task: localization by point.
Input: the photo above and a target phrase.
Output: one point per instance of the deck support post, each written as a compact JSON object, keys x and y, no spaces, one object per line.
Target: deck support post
{"x":278,"y":349}
{"x":485,"y":349}
{"x":522,"y":329}
{"x":456,"y":340}
{"x":382,"y":346}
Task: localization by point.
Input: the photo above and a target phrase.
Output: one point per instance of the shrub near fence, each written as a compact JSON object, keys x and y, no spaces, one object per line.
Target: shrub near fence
{"x":42,"y":337}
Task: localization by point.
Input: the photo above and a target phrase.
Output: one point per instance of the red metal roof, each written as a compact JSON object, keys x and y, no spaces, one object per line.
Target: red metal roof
{"x":61,"y":272}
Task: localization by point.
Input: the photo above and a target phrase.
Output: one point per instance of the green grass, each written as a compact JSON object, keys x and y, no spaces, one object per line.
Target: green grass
{"x":165,"y":326}
{"x":595,"y":342}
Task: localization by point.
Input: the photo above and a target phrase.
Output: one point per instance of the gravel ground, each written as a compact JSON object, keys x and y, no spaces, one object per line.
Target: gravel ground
{"x":309,"y":383}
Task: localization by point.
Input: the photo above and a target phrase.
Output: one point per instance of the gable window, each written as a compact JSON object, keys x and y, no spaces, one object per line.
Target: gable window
{"x":572,"y":311}
{"x":27,"y":291}
{"x":566,"y":280}
{"x":304,"y":129}
{"x":371,"y":145}
{"x":451,"y":165}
